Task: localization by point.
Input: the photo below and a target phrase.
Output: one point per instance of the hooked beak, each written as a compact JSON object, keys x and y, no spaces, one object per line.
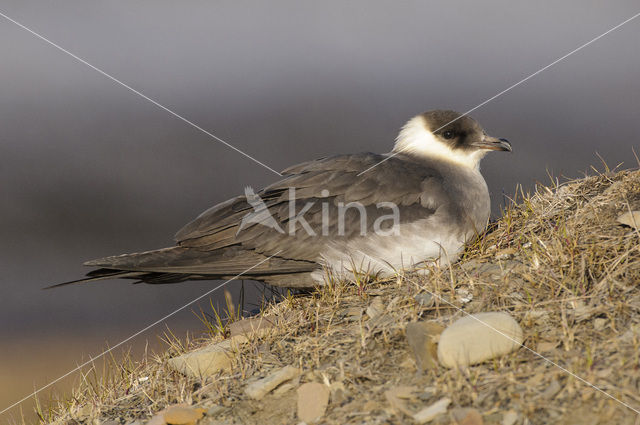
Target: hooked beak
{"x":494,"y":144}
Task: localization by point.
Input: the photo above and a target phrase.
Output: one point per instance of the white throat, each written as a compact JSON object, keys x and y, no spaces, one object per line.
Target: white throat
{"x":415,"y":138}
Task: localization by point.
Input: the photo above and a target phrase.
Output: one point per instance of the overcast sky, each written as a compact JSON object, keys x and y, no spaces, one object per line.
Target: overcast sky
{"x":90,"y":169}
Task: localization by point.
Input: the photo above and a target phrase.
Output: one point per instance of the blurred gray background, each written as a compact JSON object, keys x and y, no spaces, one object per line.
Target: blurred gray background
{"x":89,"y":169}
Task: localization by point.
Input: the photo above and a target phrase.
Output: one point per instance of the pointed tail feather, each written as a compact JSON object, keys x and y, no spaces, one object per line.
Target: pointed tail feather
{"x":101,"y":274}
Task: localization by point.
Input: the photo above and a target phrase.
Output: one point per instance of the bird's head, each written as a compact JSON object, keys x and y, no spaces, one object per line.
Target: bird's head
{"x":446,"y":135}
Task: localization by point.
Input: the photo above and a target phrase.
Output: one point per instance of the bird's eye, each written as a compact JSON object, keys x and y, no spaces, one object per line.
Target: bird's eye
{"x":448,"y":134}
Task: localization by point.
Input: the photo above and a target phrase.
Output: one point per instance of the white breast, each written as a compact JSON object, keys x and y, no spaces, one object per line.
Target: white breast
{"x":417,"y":243}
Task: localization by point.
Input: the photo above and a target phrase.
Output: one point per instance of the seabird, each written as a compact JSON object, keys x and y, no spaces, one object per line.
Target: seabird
{"x":367,"y":212}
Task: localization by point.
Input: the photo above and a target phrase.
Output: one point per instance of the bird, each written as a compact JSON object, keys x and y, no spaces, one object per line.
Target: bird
{"x":338,"y":215}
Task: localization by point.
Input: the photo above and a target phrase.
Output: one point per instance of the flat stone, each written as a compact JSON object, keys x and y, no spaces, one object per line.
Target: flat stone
{"x":510,"y":417}
{"x":251,"y":326}
{"x":258,"y":389}
{"x":422,"y":338}
{"x":431,"y":412}
{"x":178,"y":415}
{"x":376,"y":308}
{"x":206,"y":361}
{"x":313,"y":399}
{"x":477,"y":338}
{"x":467,"y":416}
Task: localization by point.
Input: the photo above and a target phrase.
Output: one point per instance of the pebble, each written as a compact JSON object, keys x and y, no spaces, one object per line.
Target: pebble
{"x":178,"y":415}
{"x":313,"y":399}
{"x":431,"y":412}
{"x":510,"y":417}
{"x":376,"y":308}
{"x":204,"y":362}
{"x":258,"y":389}
{"x":551,"y":391}
{"x":477,"y":338}
{"x":467,"y":416}
{"x":599,"y":323}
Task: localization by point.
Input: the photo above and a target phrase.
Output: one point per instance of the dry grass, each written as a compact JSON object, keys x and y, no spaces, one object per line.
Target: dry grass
{"x":557,"y":261}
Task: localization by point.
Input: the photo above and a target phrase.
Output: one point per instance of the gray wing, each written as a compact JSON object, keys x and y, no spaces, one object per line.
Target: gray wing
{"x":321,"y":186}
{"x":222,"y":242}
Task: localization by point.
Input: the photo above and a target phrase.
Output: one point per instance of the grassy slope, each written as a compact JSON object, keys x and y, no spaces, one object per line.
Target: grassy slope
{"x":557,"y":261}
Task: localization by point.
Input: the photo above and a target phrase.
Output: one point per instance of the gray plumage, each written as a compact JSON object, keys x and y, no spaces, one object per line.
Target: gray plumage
{"x":426,"y":188}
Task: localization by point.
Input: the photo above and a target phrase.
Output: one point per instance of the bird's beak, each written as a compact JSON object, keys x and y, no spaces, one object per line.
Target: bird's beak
{"x":494,"y":144}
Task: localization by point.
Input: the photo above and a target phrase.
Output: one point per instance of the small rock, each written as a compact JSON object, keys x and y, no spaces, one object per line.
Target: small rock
{"x":251,"y":326}
{"x":178,"y":415}
{"x":424,"y":299}
{"x":467,"y":416}
{"x":479,"y":337}
{"x":313,"y":399}
{"x":264,"y":386}
{"x":338,"y":393}
{"x":110,"y":422}
{"x":431,"y":412}
{"x":376,"y":308}
{"x":631,"y":219}
{"x":551,"y":391}
{"x":422,"y":338}
{"x":599,"y":323}
{"x":206,"y":361}
{"x":510,"y":417}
